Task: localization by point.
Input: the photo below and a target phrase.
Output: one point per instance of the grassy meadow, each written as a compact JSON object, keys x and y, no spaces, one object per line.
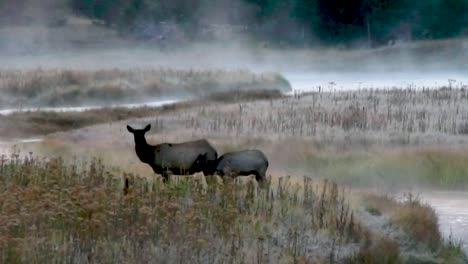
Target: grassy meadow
{"x":59,"y":213}
{"x":84,"y":213}
{"x":393,"y":138}
{"x":64,"y":199}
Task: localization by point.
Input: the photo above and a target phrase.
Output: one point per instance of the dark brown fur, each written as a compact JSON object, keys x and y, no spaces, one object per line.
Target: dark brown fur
{"x":176,"y":158}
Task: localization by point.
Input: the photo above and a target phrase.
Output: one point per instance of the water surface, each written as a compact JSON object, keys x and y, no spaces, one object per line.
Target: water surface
{"x":452,"y":209}
{"x":156,"y":103}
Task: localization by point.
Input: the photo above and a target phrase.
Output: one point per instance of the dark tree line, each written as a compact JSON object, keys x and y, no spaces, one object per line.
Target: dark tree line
{"x":294,"y":22}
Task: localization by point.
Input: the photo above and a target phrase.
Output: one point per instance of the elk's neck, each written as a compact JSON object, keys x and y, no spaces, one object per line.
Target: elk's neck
{"x":143,"y":150}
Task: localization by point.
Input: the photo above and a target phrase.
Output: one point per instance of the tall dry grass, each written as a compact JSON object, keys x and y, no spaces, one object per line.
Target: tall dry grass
{"x":53,"y":212}
{"x":349,"y":118}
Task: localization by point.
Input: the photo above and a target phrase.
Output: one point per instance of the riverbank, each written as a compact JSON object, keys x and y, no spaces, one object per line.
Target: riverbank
{"x":26,"y":123}
{"x":74,"y":87}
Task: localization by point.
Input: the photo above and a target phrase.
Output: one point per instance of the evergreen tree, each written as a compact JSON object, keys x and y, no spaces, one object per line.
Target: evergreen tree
{"x":331,"y":21}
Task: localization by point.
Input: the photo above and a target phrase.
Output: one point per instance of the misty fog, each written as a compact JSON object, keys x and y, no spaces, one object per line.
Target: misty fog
{"x":305,"y":70}
{"x":82,"y":43}
{"x":50,"y":35}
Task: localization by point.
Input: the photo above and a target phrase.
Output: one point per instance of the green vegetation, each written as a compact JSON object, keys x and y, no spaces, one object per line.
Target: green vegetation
{"x":397,"y":168}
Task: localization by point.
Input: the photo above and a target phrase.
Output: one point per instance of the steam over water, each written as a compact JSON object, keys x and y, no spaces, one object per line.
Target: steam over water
{"x":330,"y":81}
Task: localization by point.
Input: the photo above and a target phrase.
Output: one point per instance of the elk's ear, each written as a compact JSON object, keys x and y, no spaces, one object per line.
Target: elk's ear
{"x":130,"y":129}
{"x":147,"y":128}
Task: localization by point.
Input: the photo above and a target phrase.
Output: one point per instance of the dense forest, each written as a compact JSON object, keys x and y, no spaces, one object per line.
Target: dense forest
{"x":290,"y":22}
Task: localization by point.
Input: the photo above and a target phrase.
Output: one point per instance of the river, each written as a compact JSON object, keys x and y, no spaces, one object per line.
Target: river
{"x":155,"y":103}
{"x":452,"y":209}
